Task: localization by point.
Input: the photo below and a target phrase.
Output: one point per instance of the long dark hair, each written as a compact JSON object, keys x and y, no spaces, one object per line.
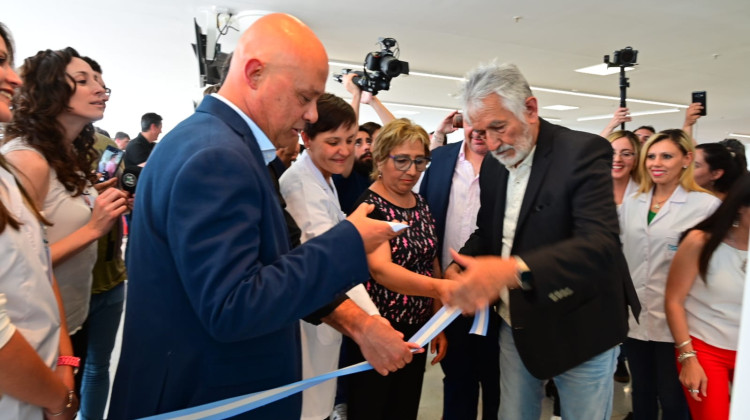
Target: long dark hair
{"x":717,"y":225}
{"x":6,"y":218}
{"x":44,"y":95}
{"x":718,"y":156}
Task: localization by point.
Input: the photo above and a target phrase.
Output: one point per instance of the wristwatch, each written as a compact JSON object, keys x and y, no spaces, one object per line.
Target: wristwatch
{"x":523,"y":274}
{"x":74,"y":362}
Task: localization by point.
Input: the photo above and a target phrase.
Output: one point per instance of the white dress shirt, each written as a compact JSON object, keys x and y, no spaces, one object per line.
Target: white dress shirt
{"x":313,"y":203}
{"x":518,"y":180}
{"x":463,"y":206}
{"x":650,"y":248}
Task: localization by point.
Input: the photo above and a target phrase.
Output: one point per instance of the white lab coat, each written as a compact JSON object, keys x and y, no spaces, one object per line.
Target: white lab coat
{"x":650,"y":248}
{"x":313,"y":203}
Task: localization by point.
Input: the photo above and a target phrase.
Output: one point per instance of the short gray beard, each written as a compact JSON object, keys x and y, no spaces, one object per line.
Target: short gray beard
{"x":522,"y":148}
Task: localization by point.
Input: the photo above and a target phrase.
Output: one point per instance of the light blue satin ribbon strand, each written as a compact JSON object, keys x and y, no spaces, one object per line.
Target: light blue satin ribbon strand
{"x":481,"y":322}
{"x":238,"y":405}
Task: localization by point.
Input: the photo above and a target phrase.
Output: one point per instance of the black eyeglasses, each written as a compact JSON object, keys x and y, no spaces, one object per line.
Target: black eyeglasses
{"x":404,"y":162}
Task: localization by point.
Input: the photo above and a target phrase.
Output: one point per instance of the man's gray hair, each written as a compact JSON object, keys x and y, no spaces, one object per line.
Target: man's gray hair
{"x":505,"y":80}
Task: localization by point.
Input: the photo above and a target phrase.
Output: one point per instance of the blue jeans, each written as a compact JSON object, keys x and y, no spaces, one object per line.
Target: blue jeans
{"x":586,"y":390}
{"x":104,"y":319}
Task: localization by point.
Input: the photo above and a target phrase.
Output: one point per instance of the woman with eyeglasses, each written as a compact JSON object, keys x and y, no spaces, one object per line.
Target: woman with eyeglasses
{"x":625,"y":148}
{"x":31,"y":337}
{"x":667,"y":203}
{"x":404,"y":283}
{"x":50,"y":143}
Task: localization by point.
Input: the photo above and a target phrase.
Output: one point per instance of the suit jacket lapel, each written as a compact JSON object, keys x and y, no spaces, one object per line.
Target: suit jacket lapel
{"x":542,"y":160}
{"x":502,"y":192}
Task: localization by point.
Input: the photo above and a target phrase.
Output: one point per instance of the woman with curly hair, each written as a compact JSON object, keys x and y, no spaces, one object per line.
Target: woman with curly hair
{"x":50,"y":143}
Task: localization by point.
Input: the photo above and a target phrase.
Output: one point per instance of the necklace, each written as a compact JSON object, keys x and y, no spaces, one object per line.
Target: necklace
{"x":658,"y":204}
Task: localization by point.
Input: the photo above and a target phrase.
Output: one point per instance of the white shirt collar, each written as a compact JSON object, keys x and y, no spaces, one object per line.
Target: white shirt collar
{"x":266,"y":147}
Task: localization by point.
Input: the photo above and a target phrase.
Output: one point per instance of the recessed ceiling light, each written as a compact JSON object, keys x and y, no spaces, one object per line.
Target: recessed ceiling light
{"x":405,"y":112}
{"x":560,"y":107}
{"x":601,"y":70}
{"x":739,"y":135}
{"x":632,"y":114}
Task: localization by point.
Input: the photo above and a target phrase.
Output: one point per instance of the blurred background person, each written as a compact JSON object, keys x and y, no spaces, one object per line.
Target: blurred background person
{"x":32,"y":333}
{"x":668,"y":202}
{"x":703,"y":303}
{"x":122,"y":140}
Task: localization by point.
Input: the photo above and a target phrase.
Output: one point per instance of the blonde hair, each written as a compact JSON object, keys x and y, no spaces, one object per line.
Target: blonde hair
{"x":683,"y":142}
{"x":392,"y":135}
{"x":635,"y":144}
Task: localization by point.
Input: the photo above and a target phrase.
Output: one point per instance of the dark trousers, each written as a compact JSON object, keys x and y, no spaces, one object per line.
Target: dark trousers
{"x":471,"y":361}
{"x":655,"y":381}
{"x":371,"y":396}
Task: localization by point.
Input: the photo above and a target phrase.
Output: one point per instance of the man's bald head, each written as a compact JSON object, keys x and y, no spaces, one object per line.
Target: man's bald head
{"x":278,"y":70}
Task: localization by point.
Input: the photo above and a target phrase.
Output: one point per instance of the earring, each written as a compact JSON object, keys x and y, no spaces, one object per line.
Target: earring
{"x":736,"y":222}
{"x":684,"y":167}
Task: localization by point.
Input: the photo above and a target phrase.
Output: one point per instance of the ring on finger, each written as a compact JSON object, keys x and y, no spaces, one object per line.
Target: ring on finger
{"x":693,"y":391}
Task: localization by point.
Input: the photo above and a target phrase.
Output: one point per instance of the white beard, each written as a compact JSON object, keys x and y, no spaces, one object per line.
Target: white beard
{"x":522,"y":147}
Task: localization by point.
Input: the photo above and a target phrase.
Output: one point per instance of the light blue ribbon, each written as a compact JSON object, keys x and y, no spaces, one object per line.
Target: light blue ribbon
{"x":481,"y":322}
{"x":238,"y":405}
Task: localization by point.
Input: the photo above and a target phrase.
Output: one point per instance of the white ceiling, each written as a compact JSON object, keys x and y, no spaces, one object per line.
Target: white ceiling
{"x":684,"y":45}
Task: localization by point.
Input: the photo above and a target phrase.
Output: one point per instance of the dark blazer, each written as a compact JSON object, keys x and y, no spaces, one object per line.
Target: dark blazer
{"x":436,"y":186}
{"x":568,"y":234}
{"x":214,"y":294}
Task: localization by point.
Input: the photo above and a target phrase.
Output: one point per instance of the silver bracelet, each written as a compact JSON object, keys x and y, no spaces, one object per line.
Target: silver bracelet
{"x":684,"y":343}
{"x":686,"y":355}
{"x":71,"y":393}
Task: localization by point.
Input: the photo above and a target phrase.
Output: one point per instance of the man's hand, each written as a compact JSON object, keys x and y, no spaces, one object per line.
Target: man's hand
{"x":373,"y":232}
{"x":480,"y":281}
{"x":383,"y":346}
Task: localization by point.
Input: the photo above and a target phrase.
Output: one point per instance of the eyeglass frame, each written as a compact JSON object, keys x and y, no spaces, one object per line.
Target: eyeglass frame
{"x":632,"y":154}
{"x":411,"y":162}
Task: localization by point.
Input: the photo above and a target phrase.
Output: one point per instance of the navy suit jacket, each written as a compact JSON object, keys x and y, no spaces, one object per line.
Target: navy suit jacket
{"x":436,"y":187}
{"x":568,"y":234}
{"x":214,"y":294}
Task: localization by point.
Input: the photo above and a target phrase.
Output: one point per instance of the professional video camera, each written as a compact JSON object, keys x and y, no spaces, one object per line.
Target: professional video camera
{"x":626,"y":57}
{"x":379,"y":68}
{"x":623,"y":58}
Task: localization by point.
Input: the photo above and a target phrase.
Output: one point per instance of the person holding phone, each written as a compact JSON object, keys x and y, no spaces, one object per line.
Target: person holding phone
{"x":50,"y":143}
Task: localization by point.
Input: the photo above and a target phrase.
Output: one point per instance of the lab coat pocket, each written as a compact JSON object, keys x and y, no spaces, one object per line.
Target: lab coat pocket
{"x":671,"y":244}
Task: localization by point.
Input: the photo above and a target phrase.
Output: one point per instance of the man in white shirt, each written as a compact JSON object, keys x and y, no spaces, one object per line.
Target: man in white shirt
{"x":451,"y":187}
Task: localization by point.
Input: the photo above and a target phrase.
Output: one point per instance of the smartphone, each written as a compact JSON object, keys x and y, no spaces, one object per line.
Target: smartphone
{"x":109,"y":163}
{"x":700,"y":96}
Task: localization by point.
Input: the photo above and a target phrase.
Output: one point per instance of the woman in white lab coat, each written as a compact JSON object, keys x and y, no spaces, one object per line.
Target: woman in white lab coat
{"x":312,"y":201}
{"x":668,"y":202}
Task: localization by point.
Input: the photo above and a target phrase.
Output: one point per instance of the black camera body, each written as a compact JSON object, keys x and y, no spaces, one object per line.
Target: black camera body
{"x":626,"y":57}
{"x":379,"y":68}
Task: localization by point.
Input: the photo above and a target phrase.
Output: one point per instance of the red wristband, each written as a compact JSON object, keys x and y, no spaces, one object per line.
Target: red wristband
{"x":69,"y":361}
